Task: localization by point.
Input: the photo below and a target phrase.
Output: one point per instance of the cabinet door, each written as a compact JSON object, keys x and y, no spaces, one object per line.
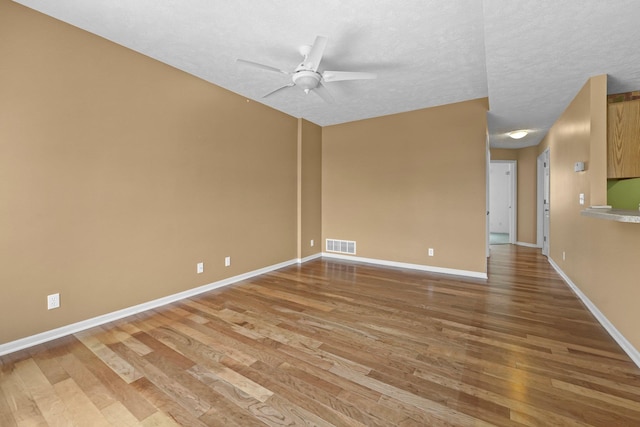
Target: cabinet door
{"x":623,"y":139}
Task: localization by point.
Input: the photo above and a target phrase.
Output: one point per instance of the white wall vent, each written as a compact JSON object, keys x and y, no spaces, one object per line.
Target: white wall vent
{"x":342,"y":246}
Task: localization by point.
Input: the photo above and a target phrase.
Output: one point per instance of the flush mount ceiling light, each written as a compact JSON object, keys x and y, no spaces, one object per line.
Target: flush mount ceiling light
{"x":518,"y":134}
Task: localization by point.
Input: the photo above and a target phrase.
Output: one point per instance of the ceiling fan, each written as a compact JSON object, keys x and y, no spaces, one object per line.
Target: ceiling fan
{"x":306,"y":75}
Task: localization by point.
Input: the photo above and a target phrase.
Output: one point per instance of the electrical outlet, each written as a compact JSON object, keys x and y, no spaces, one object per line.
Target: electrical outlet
{"x":430,"y":251}
{"x":563,"y":255}
{"x":312,"y":242}
{"x":53,"y":301}
{"x":581,"y":198}
{"x":200,"y":267}
{"x":227,"y":261}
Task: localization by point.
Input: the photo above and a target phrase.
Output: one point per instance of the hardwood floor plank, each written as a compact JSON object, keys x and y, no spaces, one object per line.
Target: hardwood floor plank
{"x":171,"y":380}
{"x":79,"y":407}
{"x":428,"y":414}
{"x":197,"y":353}
{"x":6,"y":415}
{"x":607,"y":399}
{"x":456,"y":399}
{"x":91,"y":340}
{"x":118,"y":415}
{"x":47,"y":357}
{"x":209,"y":341}
{"x":160,"y":419}
{"x":51,"y":406}
{"x":521,"y":405}
{"x":166,"y":404}
{"x":238,"y":381}
{"x":291,"y":380}
{"x":264,"y":412}
{"x":87,"y":381}
{"x":291,"y":400}
{"x":117,"y":387}
{"x":289,"y":296}
{"x":227,"y":413}
{"x":438,"y":409}
{"x":20,"y":402}
{"x":300,"y":414}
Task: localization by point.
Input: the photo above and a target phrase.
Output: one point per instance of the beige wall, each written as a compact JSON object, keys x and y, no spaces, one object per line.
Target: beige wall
{"x":504,"y":154}
{"x":526,"y":159}
{"x":401,"y":184}
{"x":310,"y":186}
{"x":527,"y":195}
{"x":600,"y":255}
{"x":118,"y":174}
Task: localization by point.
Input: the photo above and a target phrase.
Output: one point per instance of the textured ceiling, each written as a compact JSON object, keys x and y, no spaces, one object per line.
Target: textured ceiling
{"x":529,"y":57}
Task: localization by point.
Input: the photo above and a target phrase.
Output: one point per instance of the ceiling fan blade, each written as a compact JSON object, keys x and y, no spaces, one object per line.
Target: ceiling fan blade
{"x":279,"y":89}
{"x":324,"y":93}
{"x":312,"y":60}
{"x":336,"y":76}
{"x":261,"y":66}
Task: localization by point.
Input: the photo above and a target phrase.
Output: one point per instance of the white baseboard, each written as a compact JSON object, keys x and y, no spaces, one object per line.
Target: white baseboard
{"x":43,"y":337}
{"x":528,"y":245}
{"x":628,"y":348}
{"x":309,"y":258}
{"x":451,"y":271}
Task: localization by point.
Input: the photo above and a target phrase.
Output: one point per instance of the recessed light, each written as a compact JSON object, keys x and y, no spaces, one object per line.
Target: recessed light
{"x":517,"y":134}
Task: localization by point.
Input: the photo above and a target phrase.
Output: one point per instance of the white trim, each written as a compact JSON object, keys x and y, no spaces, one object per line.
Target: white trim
{"x":43,"y":337}
{"x":628,"y":348}
{"x":451,"y":271}
{"x":529,"y":245}
{"x":309,"y":258}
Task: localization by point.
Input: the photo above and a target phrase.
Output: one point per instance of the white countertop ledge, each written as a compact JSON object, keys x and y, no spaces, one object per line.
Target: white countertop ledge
{"x":619,"y":215}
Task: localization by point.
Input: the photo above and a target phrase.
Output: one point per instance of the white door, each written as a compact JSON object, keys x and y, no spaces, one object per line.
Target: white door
{"x":502,"y":198}
{"x":499,"y":200}
{"x":544,"y":206}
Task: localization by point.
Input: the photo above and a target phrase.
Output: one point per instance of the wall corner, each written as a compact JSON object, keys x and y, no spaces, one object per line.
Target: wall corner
{"x":597,"y":167}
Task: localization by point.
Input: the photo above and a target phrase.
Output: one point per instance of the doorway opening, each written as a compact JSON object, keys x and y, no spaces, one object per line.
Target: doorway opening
{"x":502,"y":202}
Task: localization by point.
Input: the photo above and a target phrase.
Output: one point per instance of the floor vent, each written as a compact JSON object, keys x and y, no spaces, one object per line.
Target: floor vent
{"x":342,"y":246}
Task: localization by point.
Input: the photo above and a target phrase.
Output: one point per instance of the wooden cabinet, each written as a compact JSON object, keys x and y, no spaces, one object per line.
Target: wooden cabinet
{"x":623,"y":139}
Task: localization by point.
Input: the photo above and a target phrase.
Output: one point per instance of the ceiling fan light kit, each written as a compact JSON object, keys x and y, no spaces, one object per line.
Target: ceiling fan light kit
{"x":306,"y":79}
{"x":306,"y":75}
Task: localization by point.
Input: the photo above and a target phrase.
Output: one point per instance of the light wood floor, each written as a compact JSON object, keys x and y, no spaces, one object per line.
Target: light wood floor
{"x":335,"y":343}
